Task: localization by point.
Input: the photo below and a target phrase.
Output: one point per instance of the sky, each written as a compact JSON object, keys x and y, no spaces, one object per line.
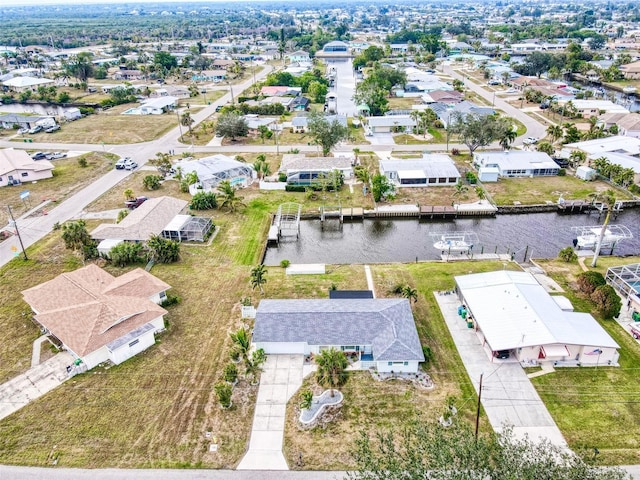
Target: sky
{"x":85,"y":2}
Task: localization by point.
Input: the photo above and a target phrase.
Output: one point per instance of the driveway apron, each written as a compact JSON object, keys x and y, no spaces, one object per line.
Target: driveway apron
{"x":280,"y":379}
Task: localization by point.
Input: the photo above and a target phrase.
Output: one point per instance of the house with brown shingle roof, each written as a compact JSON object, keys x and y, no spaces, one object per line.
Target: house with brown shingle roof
{"x":98,"y":317}
{"x":148,"y":219}
{"x":16,"y":166}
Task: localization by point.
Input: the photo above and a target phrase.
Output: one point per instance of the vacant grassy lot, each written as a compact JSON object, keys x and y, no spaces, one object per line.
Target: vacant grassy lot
{"x":596,"y":407}
{"x":530,"y":191}
{"x":111,"y":127}
{"x":68,"y":177}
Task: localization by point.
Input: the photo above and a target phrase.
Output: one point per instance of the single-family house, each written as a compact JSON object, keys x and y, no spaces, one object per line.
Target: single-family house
{"x":629,"y":125}
{"x":300,"y":124}
{"x":450,"y":97}
{"x":209,"y":76}
{"x":16,"y":167}
{"x":147,"y":220}
{"x":429,"y":171}
{"x":622,"y":159}
{"x":593,"y":108}
{"x":128,"y":75}
{"x":447,"y":112}
{"x":390,"y":123}
{"x":380,"y":331}
{"x":214,"y":169}
{"x":299,"y":56}
{"x":10,"y":120}
{"x":280,"y":91}
{"x":598,"y":146}
{"x":303,"y":170}
{"x":158,"y":106}
{"x":631,"y":71}
{"x":98,"y":317}
{"x":525,"y":48}
{"x":511,"y":311}
{"x":22,"y":84}
{"x":513,"y":163}
{"x":254,"y":122}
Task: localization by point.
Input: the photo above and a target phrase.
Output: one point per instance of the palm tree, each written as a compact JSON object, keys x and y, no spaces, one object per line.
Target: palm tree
{"x":410,"y":293}
{"x":187,"y":121}
{"x":577,"y":157}
{"x":227,"y":196}
{"x":258,"y":277}
{"x":555,"y":132}
{"x":461,"y":189}
{"x":507,"y":138}
{"x":609,"y":199}
{"x":356,"y":152}
{"x":241,"y":342}
{"x":332,"y":365}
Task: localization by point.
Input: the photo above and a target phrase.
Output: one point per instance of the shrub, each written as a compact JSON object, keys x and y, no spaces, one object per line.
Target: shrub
{"x":635,"y":189}
{"x":589,"y":281}
{"x":306,"y":399}
{"x":295,"y":188}
{"x":607,"y":301}
{"x":204,"y":201}
{"x":230,"y":373}
{"x":126,"y":253}
{"x":562,"y":172}
{"x":151,"y":182}
{"x":223,"y":392}
{"x":82,"y":162}
{"x":285,"y":263}
{"x":282,"y":177}
{"x":471,"y":177}
{"x":428,"y":354}
{"x":121,"y":215}
{"x":170,"y":300}
{"x":568,"y":255}
{"x":455,"y":151}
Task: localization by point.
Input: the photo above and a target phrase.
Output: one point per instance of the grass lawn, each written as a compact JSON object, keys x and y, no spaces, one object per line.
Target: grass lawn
{"x":537,"y":190}
{"x":402,"y":103}
{"x":68,"y":177}
{"x":111,"y":127}
{"x":596,"y":407}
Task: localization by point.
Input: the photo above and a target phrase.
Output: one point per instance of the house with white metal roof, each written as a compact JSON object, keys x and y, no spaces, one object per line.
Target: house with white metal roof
{"x":380,"y":331}
{"x":390,"y":123}
{"x":431,"y":170}
{"x":513,"y":163}
{"x":512,"y":311}
{"x":618,"y":144}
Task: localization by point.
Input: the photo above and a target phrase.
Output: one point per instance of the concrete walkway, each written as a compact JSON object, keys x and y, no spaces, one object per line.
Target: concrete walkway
{"x":508,"y":397}
{"x":37,"y":347}
{"x":35,"y":382}
{"x":370,"y":284}
{"x":280,"y":380}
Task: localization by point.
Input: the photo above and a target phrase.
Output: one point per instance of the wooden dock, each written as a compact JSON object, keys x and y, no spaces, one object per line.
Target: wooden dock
{"x":437,"y":211}
{"x":352,"y":213}
{"x":574,"y":206}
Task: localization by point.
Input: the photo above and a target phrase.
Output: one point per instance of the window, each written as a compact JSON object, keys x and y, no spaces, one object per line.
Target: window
{"x":25,"y":174}
{"x":442,"y":180}
{"x":432,"y":180}
{"x":163,"y":295}
{"x":135,"y":342}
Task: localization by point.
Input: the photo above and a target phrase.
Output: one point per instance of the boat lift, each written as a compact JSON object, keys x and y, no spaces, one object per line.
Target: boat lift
{"x":589,"y":236}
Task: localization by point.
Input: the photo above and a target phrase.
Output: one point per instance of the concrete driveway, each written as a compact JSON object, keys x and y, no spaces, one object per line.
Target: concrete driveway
{"x":508,"y":397}
{"x":35,"y":382}
{"x":280,"y":379}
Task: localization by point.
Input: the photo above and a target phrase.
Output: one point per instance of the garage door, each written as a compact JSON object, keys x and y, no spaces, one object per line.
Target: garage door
{"x":282,"y":347}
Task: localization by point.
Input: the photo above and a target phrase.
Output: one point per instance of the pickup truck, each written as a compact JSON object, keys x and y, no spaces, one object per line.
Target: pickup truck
{"x":135,"y":203}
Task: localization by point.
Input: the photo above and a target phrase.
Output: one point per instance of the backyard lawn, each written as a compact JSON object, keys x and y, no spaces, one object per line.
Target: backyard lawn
{"x":538,"y":190}
{"x":111,"y":127}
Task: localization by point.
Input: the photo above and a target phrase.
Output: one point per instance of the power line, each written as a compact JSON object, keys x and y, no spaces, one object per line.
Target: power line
{"x":15,"y":224}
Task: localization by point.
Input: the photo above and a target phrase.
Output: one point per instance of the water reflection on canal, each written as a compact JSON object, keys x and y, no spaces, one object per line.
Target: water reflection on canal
{"x":404,"y":240}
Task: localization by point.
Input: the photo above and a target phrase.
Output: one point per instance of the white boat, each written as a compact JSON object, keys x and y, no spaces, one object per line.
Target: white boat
{"x":590,"y":237}
{"x":453,"y":243}
{"x":629,"y":90}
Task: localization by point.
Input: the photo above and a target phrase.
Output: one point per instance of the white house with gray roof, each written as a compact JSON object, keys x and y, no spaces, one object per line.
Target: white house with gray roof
{"x":429,"y":171}
{"x":513,"y":163}
{"x":381,"y":331}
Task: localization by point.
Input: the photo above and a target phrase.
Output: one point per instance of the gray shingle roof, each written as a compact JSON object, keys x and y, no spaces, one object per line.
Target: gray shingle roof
{"x":385,"y":323}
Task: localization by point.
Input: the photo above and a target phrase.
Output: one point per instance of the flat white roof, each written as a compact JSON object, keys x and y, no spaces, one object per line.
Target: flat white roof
{"x":516,"y":160}
{"x":513,"y":310}
{"x":625,"y":161}
{"x":430,"y":165}
{"x":177,"y":223}
{"x":411,"y":174}
{"x":619,"y":143}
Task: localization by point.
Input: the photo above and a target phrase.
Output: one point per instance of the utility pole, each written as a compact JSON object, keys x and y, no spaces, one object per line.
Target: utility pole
{"x":13,"y":222}
{"x":478,"y":409}
{"x":179,"y":123}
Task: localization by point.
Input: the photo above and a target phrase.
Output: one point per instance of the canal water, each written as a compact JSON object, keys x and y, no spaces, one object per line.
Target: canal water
{"x":405,"y":240}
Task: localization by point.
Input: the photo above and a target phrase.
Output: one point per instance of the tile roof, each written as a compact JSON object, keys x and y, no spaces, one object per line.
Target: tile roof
{"x":89,"y":308}
{"x":143,"y":222}
{"x":385,"y":323}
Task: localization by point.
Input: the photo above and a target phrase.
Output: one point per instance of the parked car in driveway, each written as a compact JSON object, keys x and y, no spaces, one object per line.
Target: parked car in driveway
{"x":36,"y":129}
{"x":56,"y":155}
{"x":24,"y":130}
{"x":502,"y":354}
{"x":39,"y":156}
{"x":530,"y":141}
{"x":55,"y":128}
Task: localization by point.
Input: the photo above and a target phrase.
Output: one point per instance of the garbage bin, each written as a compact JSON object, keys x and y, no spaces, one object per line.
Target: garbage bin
{"x":470,"y":323}
{"x":635,"y":316}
